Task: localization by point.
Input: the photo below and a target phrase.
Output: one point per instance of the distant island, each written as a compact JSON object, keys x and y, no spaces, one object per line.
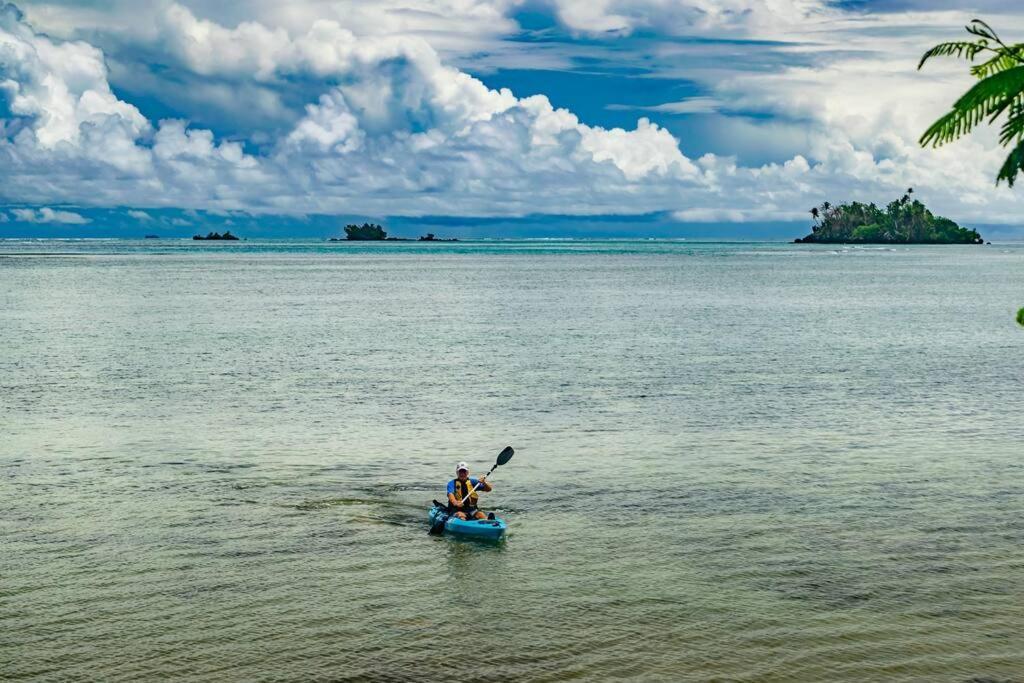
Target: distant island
{"x":371,"y":232}
{"x":152,"y":237}
{"x":904,"y":221}
{"x":365,"y":232}
{"x":215,"y":236}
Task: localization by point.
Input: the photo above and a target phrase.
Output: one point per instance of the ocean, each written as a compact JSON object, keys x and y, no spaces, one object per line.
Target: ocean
{"x":734,"y":462}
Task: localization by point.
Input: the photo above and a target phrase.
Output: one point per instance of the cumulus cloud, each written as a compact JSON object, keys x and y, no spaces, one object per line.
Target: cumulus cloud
{"x":48,"y":215}
{"x":863,"y":113}
{"x":400,"y":133}
{"x":851,"y":99}
{"x":62,"y":88}
{"x":140,"y":215}
{"x":392,"y":128}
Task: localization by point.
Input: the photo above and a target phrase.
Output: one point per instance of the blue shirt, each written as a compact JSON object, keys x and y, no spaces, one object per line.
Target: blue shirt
{"x":472,"y":482}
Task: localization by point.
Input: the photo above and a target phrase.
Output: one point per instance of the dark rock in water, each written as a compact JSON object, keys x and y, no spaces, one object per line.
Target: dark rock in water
{"x":429,"y":237}
{"x":215,"y":236}
{"x":152,"y":237}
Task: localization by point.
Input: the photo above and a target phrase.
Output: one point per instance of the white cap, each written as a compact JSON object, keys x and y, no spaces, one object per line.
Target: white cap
{"x":461,"y":466}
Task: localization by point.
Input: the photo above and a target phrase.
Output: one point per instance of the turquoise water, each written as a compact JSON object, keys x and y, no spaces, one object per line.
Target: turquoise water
{"x":734,"y":462}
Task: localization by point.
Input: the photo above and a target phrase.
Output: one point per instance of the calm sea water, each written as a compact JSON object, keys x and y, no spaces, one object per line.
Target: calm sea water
{"x":746,"y":462}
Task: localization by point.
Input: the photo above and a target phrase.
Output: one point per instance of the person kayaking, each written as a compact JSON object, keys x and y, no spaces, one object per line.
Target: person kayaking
{"x":460,"y":487}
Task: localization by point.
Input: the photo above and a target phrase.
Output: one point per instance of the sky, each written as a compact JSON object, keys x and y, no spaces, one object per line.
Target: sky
{"x":493,"y":118}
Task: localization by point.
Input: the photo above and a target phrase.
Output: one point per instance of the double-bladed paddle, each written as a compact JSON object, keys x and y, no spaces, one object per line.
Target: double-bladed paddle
{"x":506,"y":454}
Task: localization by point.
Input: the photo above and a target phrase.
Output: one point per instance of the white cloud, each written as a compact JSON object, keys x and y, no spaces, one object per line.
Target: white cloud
{"x":863,"y":116}
{"x":691,"y":105}
{"x":395,"y":129}
{"x":402,"y":133}
{"x":48,"y":215}
{"x":453,"y":27}
{"x":61,"y":85}
{"x":681,"y":17}
{"x":328,"y":125}
{"x":140,"y":215}
{"x":648,"y":150}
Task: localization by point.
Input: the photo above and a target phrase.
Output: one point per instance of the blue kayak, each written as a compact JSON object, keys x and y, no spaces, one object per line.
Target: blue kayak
{"x":486,"y":529}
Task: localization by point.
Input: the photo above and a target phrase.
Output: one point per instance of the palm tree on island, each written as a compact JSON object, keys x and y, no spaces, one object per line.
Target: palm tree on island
{"x":904,"y":220}
{"x":366,"y":231}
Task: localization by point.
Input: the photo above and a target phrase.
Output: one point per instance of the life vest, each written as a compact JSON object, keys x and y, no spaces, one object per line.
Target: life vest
{"x":462,"y":488}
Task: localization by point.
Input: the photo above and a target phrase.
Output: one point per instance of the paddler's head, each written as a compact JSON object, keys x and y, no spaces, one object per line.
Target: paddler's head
{"x":462,"y":470}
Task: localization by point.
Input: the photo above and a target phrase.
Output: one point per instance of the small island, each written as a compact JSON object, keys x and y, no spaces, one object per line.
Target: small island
{"x":215,"y":236}
{"x":371,"y":232}
{"x":904,"y":221}
{"x":366,"y":232}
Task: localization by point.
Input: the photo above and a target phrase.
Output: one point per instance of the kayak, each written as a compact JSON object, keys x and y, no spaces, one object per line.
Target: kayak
{"x":485,"y":529}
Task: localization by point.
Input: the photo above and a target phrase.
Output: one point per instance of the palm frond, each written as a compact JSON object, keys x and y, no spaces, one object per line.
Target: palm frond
{"x":1013,"y":165}
{"x":1013,"y":129}
{"x":986,"y":100}
{"x":979,"y":28}
{"x":961,"y":49}
{"x":1005,"y":59}
{"x":999,"y":90}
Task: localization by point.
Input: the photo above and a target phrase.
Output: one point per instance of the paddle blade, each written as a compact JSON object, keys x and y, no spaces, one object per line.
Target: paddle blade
{"x":437,"y":528}
{"x":505,"y":455}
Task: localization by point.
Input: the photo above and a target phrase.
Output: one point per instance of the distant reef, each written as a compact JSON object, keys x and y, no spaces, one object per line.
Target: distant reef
{"x":371,"y":232}
{"x":903,"y":221}
{"x":215,"y":236}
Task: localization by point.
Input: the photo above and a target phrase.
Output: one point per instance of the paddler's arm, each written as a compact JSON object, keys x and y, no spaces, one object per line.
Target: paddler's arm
{"x":484,"y":484}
